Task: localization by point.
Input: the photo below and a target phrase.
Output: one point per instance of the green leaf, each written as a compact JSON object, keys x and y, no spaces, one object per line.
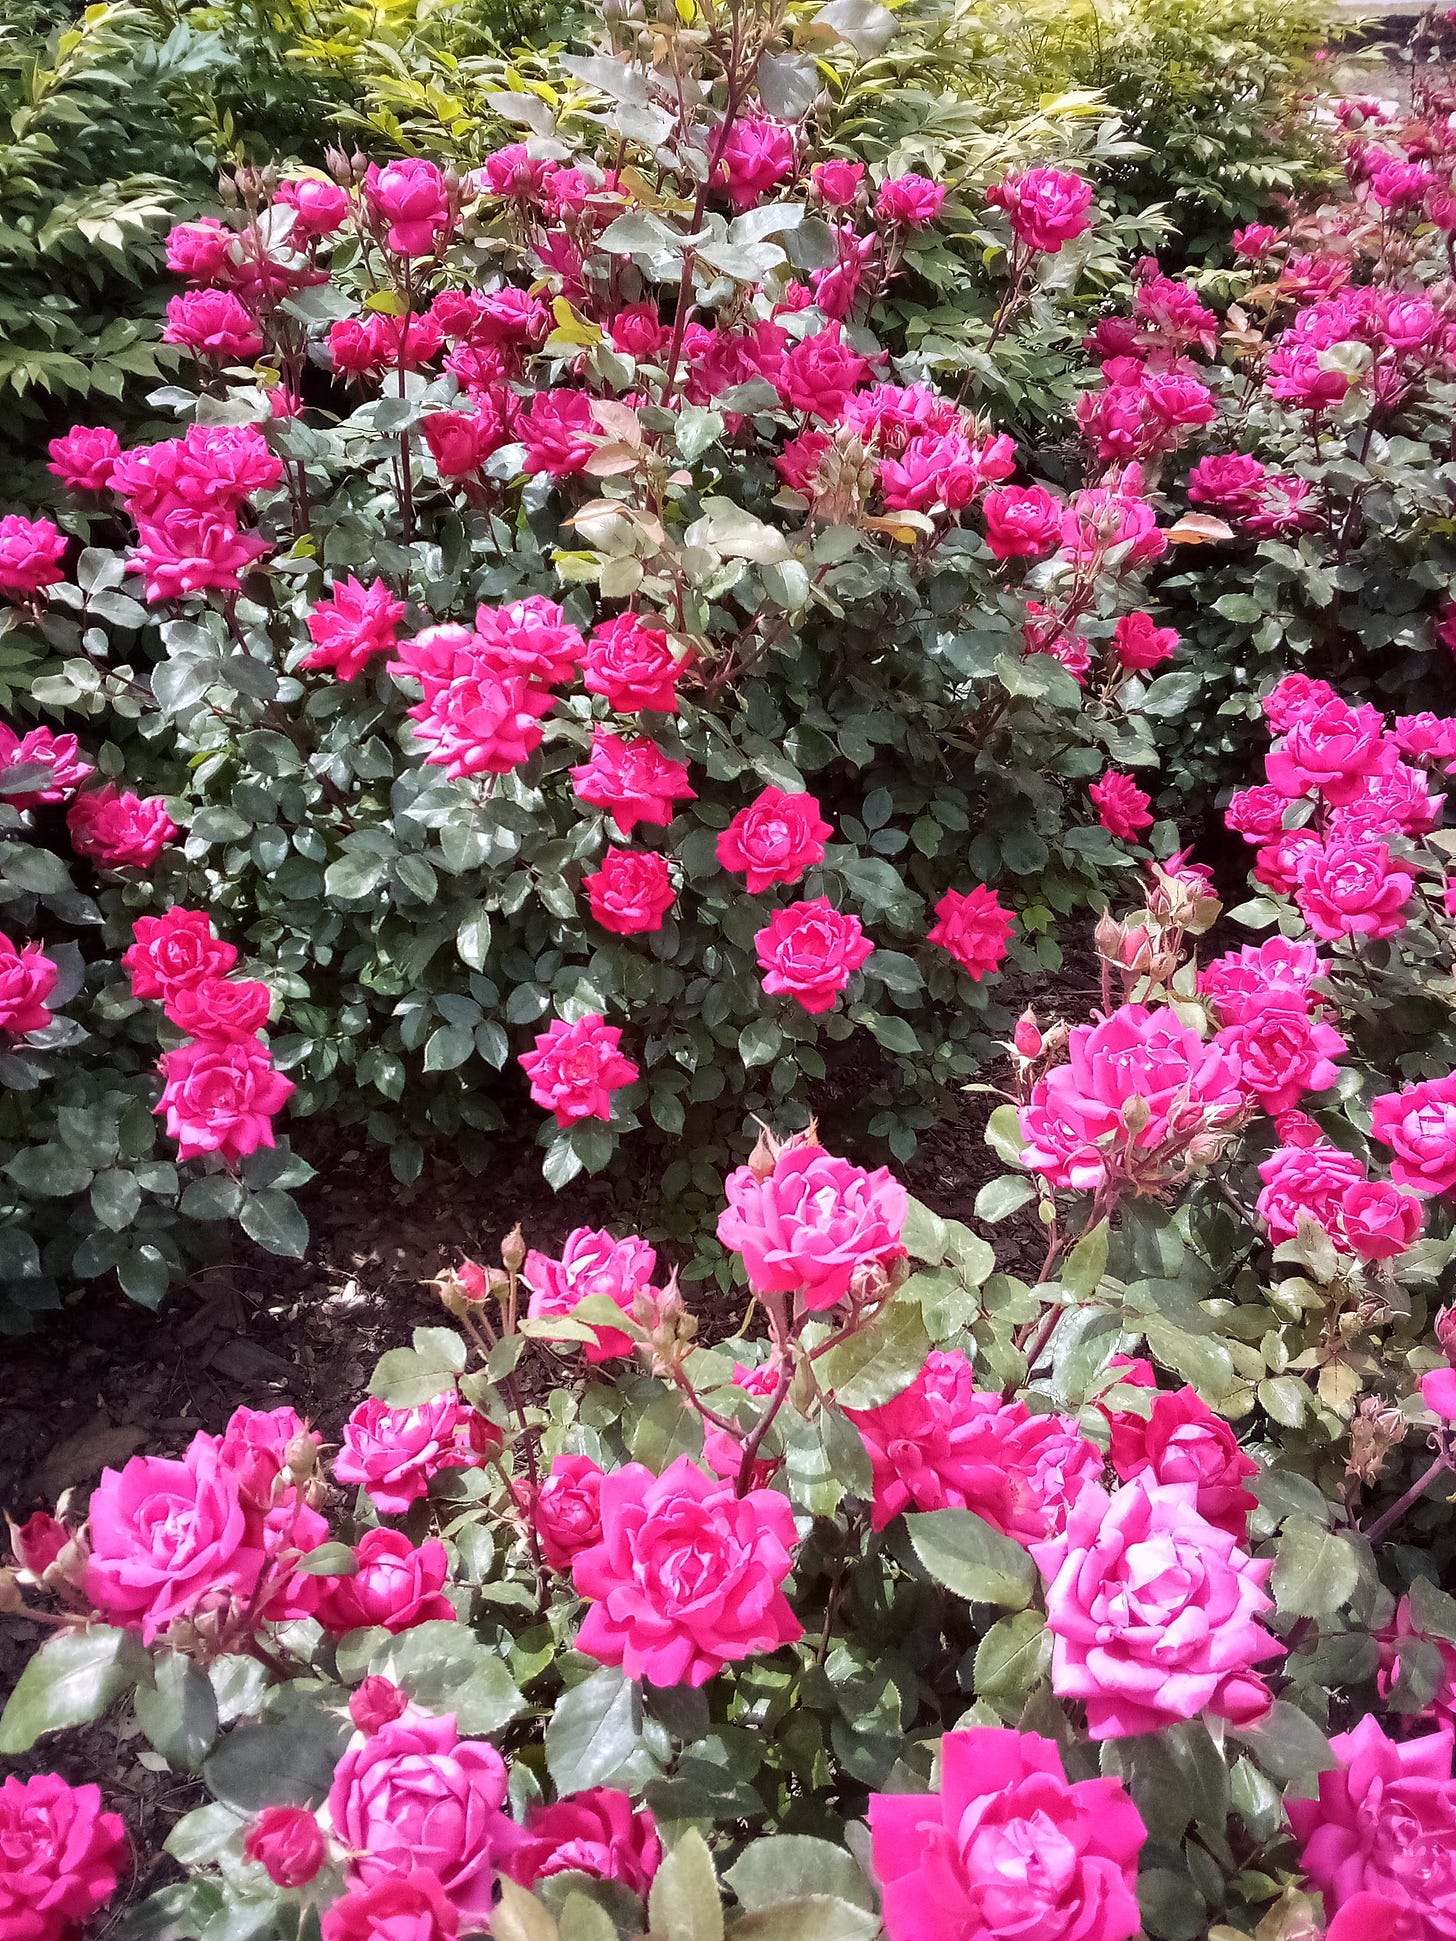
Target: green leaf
{"x":684,"y":1904}
{"x":1315,"y":1570}
{"x":965,"y":1554}
{"x":593,"y":1731}
{"x":519,"y":1916}
{"x":759,"y":1041}
{"x":792,"y":1866}
{"x":472,"y":939}
{"x":71,"y":1680}
{"x":815,"y":1917}
{"x":1086,"y":1264}
{"x":178,"y":1711}
{"x":1003,"y":1134}
{"x":1012,"y":1656}
{"x":270,"y":1217}
{"x":406,"y":1377}
{"x":329,"y":1560}
{"x":1288,"y":1745}
{"x":895,"y":1034}
{"x":881,"y":1360}
{"x":1169,"y":695}
{"x":50,"y":1171}
{"x":999,"y":1198}
{"x":446,"y":1668}
{"x":287,"y":1760}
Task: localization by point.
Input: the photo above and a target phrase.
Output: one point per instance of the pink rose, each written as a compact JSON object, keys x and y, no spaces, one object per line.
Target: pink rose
{"x":1257,"y":813}
{"x":1403,"y":1630}
{"x":1310,"y":1178}
{"x":913,"y":200}
{"x":213,"y":324}
{"x":945,"y":469}
{"x":27,"y":978}
{"x":393,"y":1454}
{"x":633,"y":780}
{"x":231,"y":1009}
{"x":1240,"y":981}
{"x":1282,"y":1052}
{"x":631,"y":892}
{"x":221,"y":1097}
{"x":638,"y":331}
{"x":973,"y":928}
{"x":119,"y":831}
{"x":31,"y":551}
{"x":837,"y":182}
{"x":1122,"y":807}
{"x":201,"y":250}
{"x":531,"y":637}
{"x":1375,"y":1917}
{"x":1153,"y":1611}
{"x":1349,"y":886}
{"x":775,"y":839}
{"x":84,"y":457}
{"x":1074,"y":1125}
{"x":1140,"y":643}
{"x":1008,"y":1847}
{"x":820,"y":372}
{"x":461,"y":441}
{"x":1384,"y":1822}
{"x":410,"y":201}
{"x":559,"y":433}
{"x":416,"y":1798}
{"x":1293,"y":698}
{"x":320,"y":207}
{"x":170,"y":1537}
{"x":1022,"y":522}
{"x":353,"y":624}
{"x":60,"y":754}
{"x":60,"y":1856}
{"x":687,"y":1576}
{"x":567,"y":1511}
{"x":1254,"y":240}
{"x":288,"y":1843}
{"x":175,"y":952}
{"x":485,"y":723}
{"x":1109,"y":516}
{"x":592,"y":1262}
{"x":1419,"y":1126}
{"x":1229,"y":481}
{"x":939,"y":1445}
{"x":754,"y":157}
{"x":373,"y":344}
{"x":376,"y":1703}
{"x":188,"y":549}
{"x":515,"y":171}
{"x":630,"y":661}
{"x":575,"y":1068}
{"x":36,"y":1543}
{"x":814,"y":1225}
{"x":1046,"y":206}
{"x":1277,"y":864}
{"x":396,"y":1585}
{"x":1330,"y":749}
{"x":1183,"y":1441}
{"x":1379,"y":1221}
{"x":809,"y":952}
{"x":597,"y":1833}
{"x":412,"y":1907}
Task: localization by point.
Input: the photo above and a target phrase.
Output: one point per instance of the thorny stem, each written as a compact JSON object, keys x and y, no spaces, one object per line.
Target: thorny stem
{"x":765,"y":1423}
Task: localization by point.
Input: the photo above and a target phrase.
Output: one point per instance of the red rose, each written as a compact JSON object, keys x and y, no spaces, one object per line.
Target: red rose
{"x":631,"y":892}
{"x":775,"y":839}
{"x":288,"y":1843}
{"x":973,"y":928}
{"x":1122,"y":807}
{"x":175,"y":951}
{"x":630,"y":661}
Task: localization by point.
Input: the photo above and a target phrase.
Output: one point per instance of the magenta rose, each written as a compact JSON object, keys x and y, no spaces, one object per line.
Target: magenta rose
{"x":1384,"y":1822}
{"x":288,"y":1843}
{"x":60,"y":1857}
{"x":559,"y":432}
{"x":837,"y":182}
{"x":221,"y":1097}
{"x":913,"y":200}
{"x":815,"y":1225}
{"x":415,"y":1797}
{"x":173,"y":952}
{"x":27,"y":978}
{"x":1154,"y":1612}
{"x":687,"y":1577}
{"x":633,"y":780}
{"x":36,"y":1543}
{"x":630,"y":662}
{"x":1007,"y":1847}
{"x":567,"y":1511}
{"x":596,"y":1833}
{"x":531,"y":637}
{"x":377,"y":1702}
{"x":1022,"y":522}
{"x":84,"y":457}
{"x":631,"y":892}
{"x":1379,"y":1221}
{"x":1309,"y":1179}
{"x":320,"y":207}
{"x":31,"y":551}
{"x":410,"y":201}
{"x":1140,"y":643}
{"x":392,"y":1454}
{"x":213,"y":324}
{"x":575,"y":1068}
{"x":775,"y":839}
{"x":1230,"y":481}
{"x":1330,"y":748}
{"x":592,"y":1262}
{"x":809,"y":952}
{"x":1348,"y":886}
{"x":1122,"y":807}
{"x":119,"y":831}
{"x":638,"y":330}
{"x":353,"y":624}
{"x":1240,"y":981}
{"x":1047,"y":207}
{"x":60,"y":754}
{"x":753,"y":158}
{"x":1183,"y":1441}
{"x":461,"y":441}
{"x":973,"y":927}
{"x":412,"y":1907}
{"x":1419,"y":1126}
{"x":228,"y":1009}
{"x":1282,"y":1052}
{"x":170,"y":1537}
{"x":396,"y":1585}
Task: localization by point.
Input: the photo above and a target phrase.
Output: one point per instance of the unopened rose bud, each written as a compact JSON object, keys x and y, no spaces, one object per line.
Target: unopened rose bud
{"x":338,"y":165}
{"x":1107,"y":937}
{"x":288,"y":1843}
{"x":36,"y":1543}
{"x":1027,"y":1037}
{"x":472,"y":1279}
{"x":377,"y":1703}
{"x":765,"y":1154}
{"x":868,"y":1284}
{"x":513,"y":1251}
{"x":300,"y":1458}
{"x":1135,"y":1115}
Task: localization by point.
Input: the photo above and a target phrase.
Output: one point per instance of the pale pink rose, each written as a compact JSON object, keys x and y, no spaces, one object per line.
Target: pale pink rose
{"x":393,"y":1454}
{"x":592,"y":1262}
{"x":814,"y":1225}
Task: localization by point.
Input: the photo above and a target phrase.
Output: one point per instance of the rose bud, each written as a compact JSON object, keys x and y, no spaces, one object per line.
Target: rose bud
{"x":36,"y":1543}
{"x":288,"y":1843}
{"x":377,"y":1703}
{"x":1027,"y":1037}
{"x":1446,"y":1332}
{"x":513,"y":1250}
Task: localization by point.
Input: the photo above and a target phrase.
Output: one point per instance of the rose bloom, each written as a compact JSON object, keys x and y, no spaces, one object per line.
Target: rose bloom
{"x":943,"y":468}
{"x":353,"y":624}
{"x":1122,"y":807}
{"x":119,"y":831}
{"x":592,"y":1262}
{"x":837,"y":182}
{"x":531,"y":637}
{"x":373,"y":344}
{"x":559,"y":433}
{"x":1419,"y":1126}
{"x":809,"y":952}
{"x":288,"y":1843}
{"x":84,"y":457}
{"x":567,"y":1511}
{"x":638,"y":330}
{"x":1282,"y":1052}
{"x":819,"y":373}
{"x":1022,"y":522}
{"x":230,"y":1009}
{"x":597,"y":1833}
{"x":170,"y":1537}
{"x":60,"y":1856}
{"x":1154,"y":1612}
{"x":221,"y":1097}
{"x":631,"y":892}
{"x":461,"y":441}
{"x":1140,"y":643}
{"x":910,"y":199}
{"x":320,"y":207}
{"x":1307,"y":1179}
{"x":1231,"y":481}
{"x":973,"y":928}
{"x":393,"y":1454}
{"x":40,"y":748}
{"x":1427,"y":737}
{"x":27,"y":978}
{"x":415,"y":1797}
{"x":633,"y":780}
{"x":754,"y":157}
{"x":483,"y":723}
{"x":1277,"y":864}
{"x":1074,"y":1124}
{"x":1378,"y":1221}
{"x":1330,"y":748}
{"x":173,"y":952}
{"x":775,"y":839}
{"x":1240,"y":981}
{"x":213,"y":324}
{"x":412,"y":1907}
{"x":187,"y":549}
{"x":687,"y":1577}
{"x":939,"y":1445}
{"x":1257,"y":813}
{"x":575,"y":1068}
{"x":1293,"y":698}
{"x":1183,"y":1441}
{"x":814,"y":1224}
{"x":1349,"y":885}
{"x":396,"y":1585}
{"x":31,"y":551}
{"x":1046,"y":206}
{"x":630,"y":661}
{"x":1384,"y":1822}
{"x":410,"y":201}
{"x":201,"y":250}
{"x":1007,"y":1847}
